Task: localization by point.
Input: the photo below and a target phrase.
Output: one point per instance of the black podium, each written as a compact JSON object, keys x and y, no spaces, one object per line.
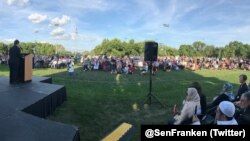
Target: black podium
{"x":26,"y":68}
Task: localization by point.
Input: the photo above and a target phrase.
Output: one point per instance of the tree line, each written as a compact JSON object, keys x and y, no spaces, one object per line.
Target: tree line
{"x":36,"y":48}
{"x":116,"y":47}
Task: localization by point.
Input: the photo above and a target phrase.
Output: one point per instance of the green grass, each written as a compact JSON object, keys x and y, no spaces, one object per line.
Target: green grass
{"x":98,"y":101}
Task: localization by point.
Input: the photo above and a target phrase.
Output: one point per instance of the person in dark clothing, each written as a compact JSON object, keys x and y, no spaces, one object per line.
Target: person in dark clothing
{"x":243,"y":116}
{"x":243,"y":87}
{"x":113,"y":65}
{"x":203,"y":99}
{"x":14,"y":63}
{"x":225,"y":95}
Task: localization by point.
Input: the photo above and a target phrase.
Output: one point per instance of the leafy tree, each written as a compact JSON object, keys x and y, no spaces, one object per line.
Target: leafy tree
{"x":199,"y":46}
{"x":3,"y":48}
{"x":36,"y":48}
{"x":209,"y":51}
{"x":186,"y":50}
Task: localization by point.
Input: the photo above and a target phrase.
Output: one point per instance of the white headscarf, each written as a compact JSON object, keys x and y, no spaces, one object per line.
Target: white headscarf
{"x":192,"y":95}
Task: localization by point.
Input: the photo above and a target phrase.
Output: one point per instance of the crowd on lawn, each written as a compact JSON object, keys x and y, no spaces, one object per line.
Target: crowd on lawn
{"x":42,"y":61}
{"x":130,"y":65}
{"x":226,"y":108}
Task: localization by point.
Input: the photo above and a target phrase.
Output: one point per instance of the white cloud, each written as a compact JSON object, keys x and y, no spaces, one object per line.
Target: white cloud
{"x":151,"y":17}
{"x":63,"y":37}
{"x":60,"y":34}
{"x":66,"y":36}
{"x":8,"y":41}
{"x":57,"y":32}
{"x":37,"y":18}
{"x":17,"y":2}
{"x":60,"y":21}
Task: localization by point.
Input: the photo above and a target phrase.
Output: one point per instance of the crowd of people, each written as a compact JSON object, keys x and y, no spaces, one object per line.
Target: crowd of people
{"x":225,"y":108}
{"x":4,"y":59}
{"x":53,"y":61}
{"x":129,"y":65}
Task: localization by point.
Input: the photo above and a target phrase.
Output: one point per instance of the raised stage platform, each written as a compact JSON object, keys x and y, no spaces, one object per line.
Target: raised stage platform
{"x":23,"y":108}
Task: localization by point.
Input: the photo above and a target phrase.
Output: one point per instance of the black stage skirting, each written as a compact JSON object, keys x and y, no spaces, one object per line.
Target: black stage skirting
{"x":40,"y":100}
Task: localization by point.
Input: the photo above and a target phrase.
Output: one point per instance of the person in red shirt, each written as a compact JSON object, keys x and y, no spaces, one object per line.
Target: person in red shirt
{"x":131,"y":69}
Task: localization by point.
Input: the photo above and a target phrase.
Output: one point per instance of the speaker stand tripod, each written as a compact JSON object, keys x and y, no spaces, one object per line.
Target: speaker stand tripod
{"x":150,"y":95}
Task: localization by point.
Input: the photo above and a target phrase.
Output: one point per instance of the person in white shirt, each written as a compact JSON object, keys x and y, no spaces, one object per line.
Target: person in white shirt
{"x":145,"y":68}
{"x":71,"y":68}
{"x":190,"y":108}
{"x":225,"y":114}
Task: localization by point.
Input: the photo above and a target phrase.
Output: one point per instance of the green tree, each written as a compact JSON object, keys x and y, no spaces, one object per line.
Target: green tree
{"x":199,"y":46}
{"x":187,"y":50}
{"x":209,"y":51}
{"x":4,"y":49}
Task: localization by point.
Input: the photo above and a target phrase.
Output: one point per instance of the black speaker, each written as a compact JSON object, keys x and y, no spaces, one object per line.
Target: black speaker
{"x":150,"y":51}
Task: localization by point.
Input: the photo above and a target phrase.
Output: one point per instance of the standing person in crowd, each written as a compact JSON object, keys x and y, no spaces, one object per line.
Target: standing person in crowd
{"x":225,"y":114}
{"x":203,"y":99}
{"x":113,"y":65}
{"x":71,"y":68}
{"x":190,"y":108}
{"x":243,"y":115}
{"x":243,"y":86}
{"x":15,"y":63}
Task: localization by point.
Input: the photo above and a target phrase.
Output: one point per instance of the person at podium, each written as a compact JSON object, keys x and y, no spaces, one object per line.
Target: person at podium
{"x":14,"y":63}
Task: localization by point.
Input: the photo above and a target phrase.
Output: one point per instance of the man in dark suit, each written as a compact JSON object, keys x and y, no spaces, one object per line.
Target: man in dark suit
{"x":14,"y":63}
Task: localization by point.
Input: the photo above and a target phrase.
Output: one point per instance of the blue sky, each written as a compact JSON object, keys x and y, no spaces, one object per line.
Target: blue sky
{"x":82,"y":24}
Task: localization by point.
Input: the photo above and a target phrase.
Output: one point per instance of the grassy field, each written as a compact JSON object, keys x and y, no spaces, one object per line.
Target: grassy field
{"x":99,"y":101}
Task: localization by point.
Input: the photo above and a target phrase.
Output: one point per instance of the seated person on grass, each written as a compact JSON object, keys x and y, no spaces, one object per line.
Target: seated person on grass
{"x":225,"y":114}
{"x":145,"y":68}
{"x":203,"y":100}
{"x":191,"y":106}
{"x":131,"y":69}
{"x":243,"y":115}
{"x":225,"y":95}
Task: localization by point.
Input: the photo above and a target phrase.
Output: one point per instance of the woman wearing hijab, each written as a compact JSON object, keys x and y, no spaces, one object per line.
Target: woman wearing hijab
{"x":225,"y":95}
{"x":190,"y":108}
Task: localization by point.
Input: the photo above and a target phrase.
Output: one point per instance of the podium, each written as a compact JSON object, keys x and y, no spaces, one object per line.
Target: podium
{"x":26,"y":68}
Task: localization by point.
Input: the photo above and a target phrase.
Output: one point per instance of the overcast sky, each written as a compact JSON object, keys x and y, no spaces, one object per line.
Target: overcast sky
{"x":82,"y":24}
